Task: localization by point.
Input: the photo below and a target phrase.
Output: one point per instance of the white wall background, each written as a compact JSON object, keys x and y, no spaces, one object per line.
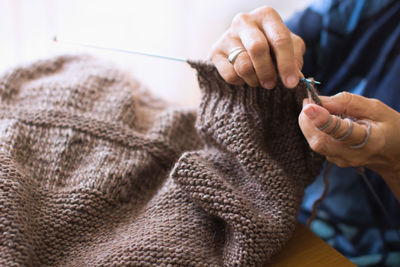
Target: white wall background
{"x":184,"y":28}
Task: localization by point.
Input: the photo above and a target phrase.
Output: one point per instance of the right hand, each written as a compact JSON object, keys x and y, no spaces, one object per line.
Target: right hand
{"x":262,"y":33}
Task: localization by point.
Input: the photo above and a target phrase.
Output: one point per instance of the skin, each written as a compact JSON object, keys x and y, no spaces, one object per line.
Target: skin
{"x":267,"y":40}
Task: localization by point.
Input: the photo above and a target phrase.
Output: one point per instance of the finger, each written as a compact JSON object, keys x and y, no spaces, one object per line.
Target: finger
{"x":280,"y":41}
{"x":343,"y":152}
{"x":226,"y":70}
{"x":257,"y":47}
{"x":353,"y":105}
{"x":245,"y":70}
{"x":337,"y":152}
{"x":243,"y":64}
{"x":323,"y":144}
{"x":317,"y":140}
{"x":335,"y":126}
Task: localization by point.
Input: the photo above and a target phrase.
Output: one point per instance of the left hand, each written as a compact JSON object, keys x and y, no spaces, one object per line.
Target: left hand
{"x":260,"y":33}
{"x":382,"y":151}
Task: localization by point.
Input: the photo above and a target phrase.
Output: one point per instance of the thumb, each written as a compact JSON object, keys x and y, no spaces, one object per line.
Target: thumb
{"x":352,"y":105}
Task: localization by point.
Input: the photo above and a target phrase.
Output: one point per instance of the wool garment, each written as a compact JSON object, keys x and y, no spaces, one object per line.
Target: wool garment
{"x":95,"y":171}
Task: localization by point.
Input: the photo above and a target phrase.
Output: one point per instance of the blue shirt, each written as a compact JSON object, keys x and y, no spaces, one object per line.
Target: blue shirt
{"x":354,"y":45}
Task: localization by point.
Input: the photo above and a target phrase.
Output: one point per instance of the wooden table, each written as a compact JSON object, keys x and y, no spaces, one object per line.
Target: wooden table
{"x":307,"y":249}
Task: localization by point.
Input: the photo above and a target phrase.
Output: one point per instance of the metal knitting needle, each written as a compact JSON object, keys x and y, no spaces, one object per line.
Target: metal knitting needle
{"x":57,"y":40}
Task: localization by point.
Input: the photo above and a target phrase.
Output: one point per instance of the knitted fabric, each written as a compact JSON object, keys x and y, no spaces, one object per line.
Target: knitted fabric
{"x":94,"y":171}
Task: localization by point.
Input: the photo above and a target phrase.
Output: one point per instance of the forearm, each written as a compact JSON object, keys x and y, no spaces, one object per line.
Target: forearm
{"x":389,"y":164}
{"x":390,"y":173}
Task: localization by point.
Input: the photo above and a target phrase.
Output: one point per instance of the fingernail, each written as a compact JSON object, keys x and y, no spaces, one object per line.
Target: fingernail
{"x":310,"y":112}
{"x":292,"y":80}
{"x":269,"y":85}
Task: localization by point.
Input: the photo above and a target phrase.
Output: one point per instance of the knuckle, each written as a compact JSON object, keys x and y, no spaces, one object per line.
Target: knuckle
{"x":375,"y":104}
{"x":239,"y":18}
{"x":281,"y":40}
{"x":300,"y":43}
{"x":265,"y":10}
{"x":317,"y":145}
{"x":230,"y":77}
{"x":230,"y":34}
{"x":220,"y":44}
{"x":257,"y":48}
{"x":344,"y":97}
{"x":244,"y":68}
{"x":215,"y":49}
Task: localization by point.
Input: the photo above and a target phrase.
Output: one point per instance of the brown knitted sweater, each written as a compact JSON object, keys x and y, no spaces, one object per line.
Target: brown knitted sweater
{"x":94,"y":171}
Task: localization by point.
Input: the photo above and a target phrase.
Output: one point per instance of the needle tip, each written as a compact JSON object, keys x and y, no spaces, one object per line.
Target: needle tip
{"x":309,"y":81}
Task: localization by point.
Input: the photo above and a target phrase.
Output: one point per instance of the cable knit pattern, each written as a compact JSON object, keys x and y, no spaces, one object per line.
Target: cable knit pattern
{"x":94,"y":171}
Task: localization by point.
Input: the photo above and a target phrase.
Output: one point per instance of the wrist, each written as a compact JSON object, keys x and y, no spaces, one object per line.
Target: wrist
{"x":392,"y":174}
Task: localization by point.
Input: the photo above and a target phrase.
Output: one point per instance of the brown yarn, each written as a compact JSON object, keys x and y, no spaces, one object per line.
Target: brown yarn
{"x":322,"y":197}
{"x":97,"y":172}
{"x":315,"y":97}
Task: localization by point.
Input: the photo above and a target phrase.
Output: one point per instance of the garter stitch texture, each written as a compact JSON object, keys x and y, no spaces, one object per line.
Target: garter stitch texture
{"x":94,"y":171}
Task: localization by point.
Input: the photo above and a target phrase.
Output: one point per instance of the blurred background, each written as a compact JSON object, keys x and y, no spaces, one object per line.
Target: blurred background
{"x":183,"y":28}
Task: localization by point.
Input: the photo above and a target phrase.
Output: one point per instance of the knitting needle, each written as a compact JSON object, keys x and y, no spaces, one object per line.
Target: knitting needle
{"x":57,"y":40}
{"x":312,"y":94}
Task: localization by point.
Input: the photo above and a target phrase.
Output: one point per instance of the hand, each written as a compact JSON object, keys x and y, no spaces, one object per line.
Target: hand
{"x":262,"y":33}
{"x":382,"y":151}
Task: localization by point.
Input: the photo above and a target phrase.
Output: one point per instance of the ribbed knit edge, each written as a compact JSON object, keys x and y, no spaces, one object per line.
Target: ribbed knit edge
{"x":249,"y":97}
{"x":275,"y":105}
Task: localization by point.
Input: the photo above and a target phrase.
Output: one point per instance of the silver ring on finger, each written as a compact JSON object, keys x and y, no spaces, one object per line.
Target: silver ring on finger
{"x":349,"y":131}
{"x":337,"y":126}
{"x":367,"y":134}
{"x":235,"y":52}
{"x":327,"y":124}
